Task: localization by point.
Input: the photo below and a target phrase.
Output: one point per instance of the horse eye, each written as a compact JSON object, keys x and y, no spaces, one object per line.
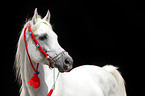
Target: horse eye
{"x":43,"y":37}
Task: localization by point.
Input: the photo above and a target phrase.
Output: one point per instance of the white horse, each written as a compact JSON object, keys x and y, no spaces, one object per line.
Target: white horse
{"x":87,"y":80}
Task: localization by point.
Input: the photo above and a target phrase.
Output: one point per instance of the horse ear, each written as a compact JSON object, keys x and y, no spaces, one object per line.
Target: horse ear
{"x":47,"y":17}
{"x":35,"y":17}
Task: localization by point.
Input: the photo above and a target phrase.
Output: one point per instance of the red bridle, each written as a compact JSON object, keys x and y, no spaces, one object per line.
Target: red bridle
{"x":36,"y":43}
{"x":35,"y":81}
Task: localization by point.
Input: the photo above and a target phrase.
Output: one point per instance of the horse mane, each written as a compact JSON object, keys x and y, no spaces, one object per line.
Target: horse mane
{"x":20,"y":54}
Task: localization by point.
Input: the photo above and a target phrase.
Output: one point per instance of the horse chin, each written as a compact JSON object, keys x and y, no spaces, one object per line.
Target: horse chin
{"x":62,"y":71}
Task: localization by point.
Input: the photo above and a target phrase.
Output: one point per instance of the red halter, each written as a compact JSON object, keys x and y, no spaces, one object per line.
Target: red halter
{"x":36,"y":43}
{"x":35,"y":81}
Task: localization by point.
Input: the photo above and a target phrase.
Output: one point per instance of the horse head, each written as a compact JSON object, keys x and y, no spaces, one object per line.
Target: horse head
{"x":48,"y":40}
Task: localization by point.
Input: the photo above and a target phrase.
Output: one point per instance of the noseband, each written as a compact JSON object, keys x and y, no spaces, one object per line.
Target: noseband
{"x":35,"y":81}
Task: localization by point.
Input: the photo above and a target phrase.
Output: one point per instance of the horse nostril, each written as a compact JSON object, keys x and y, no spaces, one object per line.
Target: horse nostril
{"x":66,"y":61}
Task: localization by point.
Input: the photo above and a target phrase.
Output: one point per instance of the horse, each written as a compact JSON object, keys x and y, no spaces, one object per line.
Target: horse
{"x":44,"y":68}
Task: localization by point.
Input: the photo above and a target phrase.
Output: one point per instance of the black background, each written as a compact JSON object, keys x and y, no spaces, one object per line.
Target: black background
{"x":96,"y":33}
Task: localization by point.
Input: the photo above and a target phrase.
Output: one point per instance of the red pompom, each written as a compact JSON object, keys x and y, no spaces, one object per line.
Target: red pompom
{"x":35,"y":81}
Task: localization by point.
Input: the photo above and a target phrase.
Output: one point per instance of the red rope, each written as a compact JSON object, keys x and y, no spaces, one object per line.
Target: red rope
{"x":37,"y":43}
{"x":27,"y":48}
{"x":35,"y":80}
{"x":50,"y":92}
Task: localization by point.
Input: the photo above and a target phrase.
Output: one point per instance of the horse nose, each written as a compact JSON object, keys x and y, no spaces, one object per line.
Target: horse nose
{"x":66,"y":61}
{"x":67,"y":64}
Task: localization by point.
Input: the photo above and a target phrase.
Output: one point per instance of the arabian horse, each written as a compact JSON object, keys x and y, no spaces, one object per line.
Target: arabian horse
{"x":44,"y":68}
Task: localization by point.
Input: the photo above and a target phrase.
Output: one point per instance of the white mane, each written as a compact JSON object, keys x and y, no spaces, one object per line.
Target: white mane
{"x":20,"y":55}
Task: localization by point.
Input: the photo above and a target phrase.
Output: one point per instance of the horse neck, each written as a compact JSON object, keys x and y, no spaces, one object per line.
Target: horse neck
{"x":45,"y":75}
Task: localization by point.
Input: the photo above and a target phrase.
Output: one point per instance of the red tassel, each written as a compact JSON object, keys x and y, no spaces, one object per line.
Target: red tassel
{"x":50,"y":92}
{"x":35,"y":81}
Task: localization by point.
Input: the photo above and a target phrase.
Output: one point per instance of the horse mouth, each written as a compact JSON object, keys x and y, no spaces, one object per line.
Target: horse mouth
{"x":63,"y":68}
